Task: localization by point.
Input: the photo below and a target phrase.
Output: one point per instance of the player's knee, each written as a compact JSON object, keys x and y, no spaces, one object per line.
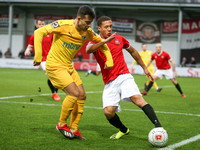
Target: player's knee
{"x":75,"y":93}
{"x":82,"y":96}
{"x":109,"y":112}
{"x":138,"y":100}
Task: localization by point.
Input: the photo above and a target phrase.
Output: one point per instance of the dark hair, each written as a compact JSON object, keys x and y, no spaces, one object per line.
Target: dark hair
{"x":39,"y":20}
{"x":86,"y":10}
{"x":102,"y":19}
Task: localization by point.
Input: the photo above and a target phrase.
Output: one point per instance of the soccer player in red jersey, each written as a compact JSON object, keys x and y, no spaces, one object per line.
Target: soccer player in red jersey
{"x":162,"y":59}
{"x":119,"y":83}
{"x":46,"y":46}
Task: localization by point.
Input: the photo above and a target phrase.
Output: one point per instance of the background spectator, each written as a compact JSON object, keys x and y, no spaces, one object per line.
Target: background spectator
{"x":192,"y":62}
{"x":8,"y":53}
{"x":1,"y":54}
{"x":21,"y":54}
{"x":80,"y":57}
{"x":184,"y":62}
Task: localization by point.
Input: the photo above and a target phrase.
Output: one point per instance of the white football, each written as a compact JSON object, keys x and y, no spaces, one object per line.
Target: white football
{"x":158,"y":137}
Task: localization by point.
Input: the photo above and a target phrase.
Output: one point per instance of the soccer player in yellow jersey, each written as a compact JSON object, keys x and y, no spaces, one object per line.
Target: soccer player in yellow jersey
{"x":146,"y":57}
{"x":69,"y":36}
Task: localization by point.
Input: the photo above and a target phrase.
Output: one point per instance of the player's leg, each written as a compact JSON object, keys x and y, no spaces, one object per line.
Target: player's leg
{"x":61,"y":79}
{"x":114,"y":120}
{"x":77,"y":113}
{"x":52,"y":88}
{"x":150,"y":85}
{"x":147,"y":108}
{"x":178,"y":87}
{"x":151,"y":70}
{"x":170,"y":75}
{"x":78,"y":107}
{"x":111,"y":104}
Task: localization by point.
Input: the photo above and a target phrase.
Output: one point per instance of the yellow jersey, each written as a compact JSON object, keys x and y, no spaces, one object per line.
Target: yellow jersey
{"x":146,"y":57}
{"x":66,"y":43}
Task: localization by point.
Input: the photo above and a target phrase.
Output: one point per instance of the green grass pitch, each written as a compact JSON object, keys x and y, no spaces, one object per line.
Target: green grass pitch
{"x":28,"y":117}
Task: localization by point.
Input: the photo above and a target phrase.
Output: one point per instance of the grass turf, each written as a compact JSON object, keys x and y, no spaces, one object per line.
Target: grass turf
{"x":29,"y":122}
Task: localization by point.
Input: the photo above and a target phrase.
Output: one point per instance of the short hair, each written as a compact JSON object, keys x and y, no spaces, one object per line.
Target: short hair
{"x":39,"y":20}
{"x":86,"y":10}
{"x":159,"y":44}
{"x":102,"y":19}
{"x":144,"y":44}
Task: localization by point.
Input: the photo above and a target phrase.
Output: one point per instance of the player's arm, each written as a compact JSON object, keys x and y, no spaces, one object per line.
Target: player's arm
{"x":38,"y":36}
{"x":173,"y":64}
{"x":104,"y":48}
{"x":28,"y":50}
{"x":134,"y":53}
{"x":91,"y":48}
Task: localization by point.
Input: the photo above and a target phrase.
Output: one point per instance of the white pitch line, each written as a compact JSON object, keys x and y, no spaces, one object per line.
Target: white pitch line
{"x":88,"y":92}
{"x":184,"y":142}
{"x":135,"y":110}
{"x":22,"y":96}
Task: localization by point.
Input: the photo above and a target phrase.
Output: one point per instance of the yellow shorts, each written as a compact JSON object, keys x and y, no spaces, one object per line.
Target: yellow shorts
{"x":151,"y":70}
{"x":62,"y":76}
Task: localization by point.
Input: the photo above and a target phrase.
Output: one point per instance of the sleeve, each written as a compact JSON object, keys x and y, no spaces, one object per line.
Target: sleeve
{"x":105,"y":50}
{"x":152,"y":57}
{"x":53,"y":28}
{"x":168,"y":56}
{"x":126,"y":44}
{"x":31,"y":41}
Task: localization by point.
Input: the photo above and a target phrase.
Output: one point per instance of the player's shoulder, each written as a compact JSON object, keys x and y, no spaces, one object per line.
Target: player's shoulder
{"x":64,"y":22}
{"x":119,"y":36}
{"x":165,"y":53}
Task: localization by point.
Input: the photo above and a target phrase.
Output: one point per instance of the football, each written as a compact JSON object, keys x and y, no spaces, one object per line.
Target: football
{"x":158,"y":137}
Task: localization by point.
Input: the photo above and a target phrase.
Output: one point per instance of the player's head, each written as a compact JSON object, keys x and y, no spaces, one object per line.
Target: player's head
{"x":158,"y":48}
{"x":144,"y":47}
{"x":104,"y":26}
{"x":39,"y":23}
{"x":85,"y":17}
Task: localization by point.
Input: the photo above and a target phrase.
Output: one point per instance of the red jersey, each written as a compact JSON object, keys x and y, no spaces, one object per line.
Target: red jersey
{"x":162,"y":60}
{"x":46,"y":45}
{"x":120,"y":67}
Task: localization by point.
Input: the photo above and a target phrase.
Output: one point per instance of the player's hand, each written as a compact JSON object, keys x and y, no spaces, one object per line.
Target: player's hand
{"x":27,"y":53}
{"x":105,"y":67}
{"x":110,"y":38}
{"x":149,"y":75}
{"x":36,"y":63}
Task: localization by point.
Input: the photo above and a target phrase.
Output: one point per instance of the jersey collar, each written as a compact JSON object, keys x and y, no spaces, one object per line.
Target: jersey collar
{"x":160,"y":53}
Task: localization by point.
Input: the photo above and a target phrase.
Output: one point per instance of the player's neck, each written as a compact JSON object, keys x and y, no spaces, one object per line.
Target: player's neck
{"x":76,"y":25}
{"x":102,"y":36}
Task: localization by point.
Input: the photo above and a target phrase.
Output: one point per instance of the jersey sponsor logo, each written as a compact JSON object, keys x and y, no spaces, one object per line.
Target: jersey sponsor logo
{"x":55,"y":25}
{"x":84,"y":37}
{"x":155,"y":56}
{"x":117,"y":42}
{"x":71,"y":46}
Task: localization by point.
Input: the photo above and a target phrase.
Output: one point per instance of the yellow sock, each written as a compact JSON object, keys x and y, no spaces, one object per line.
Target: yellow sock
{"x":67,"y":107}
{"x":147,"y":83}
{"x":74,"y":113}
{"x":76,"y":116}
{"x":155,"y":85}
